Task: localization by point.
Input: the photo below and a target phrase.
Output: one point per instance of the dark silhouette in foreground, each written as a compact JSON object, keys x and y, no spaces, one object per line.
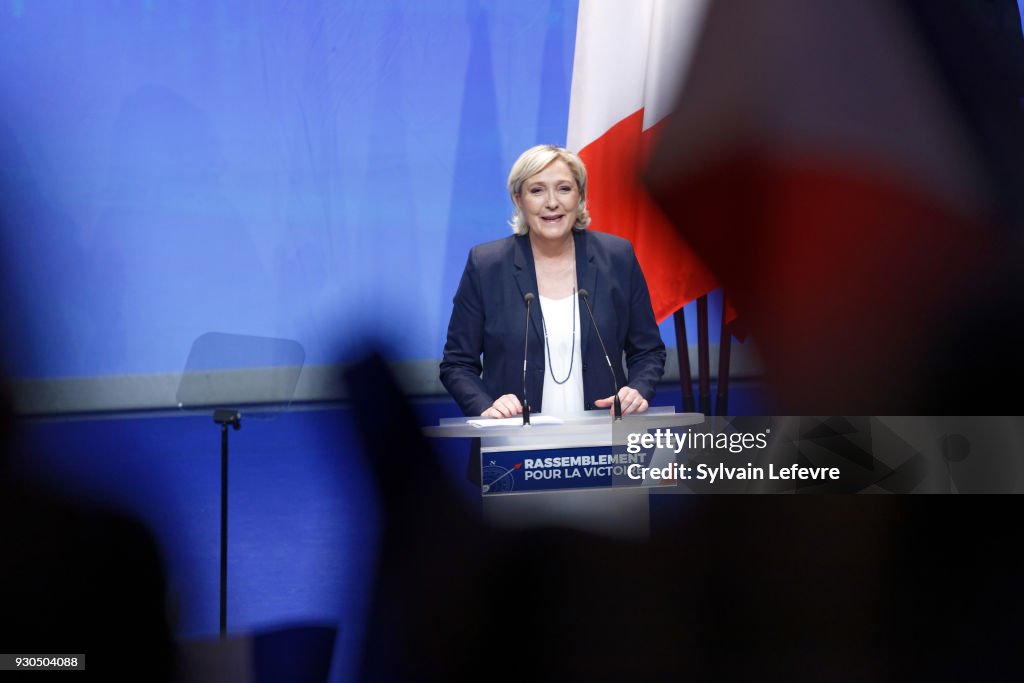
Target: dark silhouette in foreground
{"x":78,"y":579}
{"x":743,"y":588}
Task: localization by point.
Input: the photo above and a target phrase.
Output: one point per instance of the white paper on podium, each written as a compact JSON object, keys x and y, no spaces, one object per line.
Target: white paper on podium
{"x":486,"y":422}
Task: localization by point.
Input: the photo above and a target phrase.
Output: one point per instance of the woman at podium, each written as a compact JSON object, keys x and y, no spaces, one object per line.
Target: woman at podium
{"x":532,"y":290}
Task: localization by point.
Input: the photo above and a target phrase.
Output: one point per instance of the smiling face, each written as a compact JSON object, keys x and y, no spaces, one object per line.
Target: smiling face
{"x":550,"y":202}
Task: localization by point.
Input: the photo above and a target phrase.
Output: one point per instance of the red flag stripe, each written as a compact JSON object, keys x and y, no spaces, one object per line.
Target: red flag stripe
{"x":620,"y":205}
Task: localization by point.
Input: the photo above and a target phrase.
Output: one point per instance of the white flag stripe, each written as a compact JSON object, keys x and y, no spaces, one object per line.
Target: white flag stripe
{"x":675,"y":30}
{"x":630,"y":55}
{"x":612,"y":38}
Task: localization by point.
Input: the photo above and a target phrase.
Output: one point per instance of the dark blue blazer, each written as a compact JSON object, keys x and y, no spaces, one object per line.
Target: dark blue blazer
{"x":489,"y":318}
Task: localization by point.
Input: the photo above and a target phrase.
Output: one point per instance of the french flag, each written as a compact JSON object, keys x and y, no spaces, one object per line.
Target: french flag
{"x":630,"y":56}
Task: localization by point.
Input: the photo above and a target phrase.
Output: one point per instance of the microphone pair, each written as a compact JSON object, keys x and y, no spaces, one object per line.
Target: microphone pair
{"x":585,"y":297}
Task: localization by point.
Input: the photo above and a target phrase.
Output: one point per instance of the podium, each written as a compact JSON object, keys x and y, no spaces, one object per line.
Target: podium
{"x":573,"y":474}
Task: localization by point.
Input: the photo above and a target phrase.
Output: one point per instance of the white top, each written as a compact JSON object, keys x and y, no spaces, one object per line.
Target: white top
{"x":562,"y":345}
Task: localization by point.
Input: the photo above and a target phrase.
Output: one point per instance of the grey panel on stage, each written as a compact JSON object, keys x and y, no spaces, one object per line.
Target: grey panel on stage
{"x":317,"y":383}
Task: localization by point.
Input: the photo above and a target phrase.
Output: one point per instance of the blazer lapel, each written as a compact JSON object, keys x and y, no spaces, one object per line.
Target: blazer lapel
{"x":526,"y":280}
{"x":586,"y":278}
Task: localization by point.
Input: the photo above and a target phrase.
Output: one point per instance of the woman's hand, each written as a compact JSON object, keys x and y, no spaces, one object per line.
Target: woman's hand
{"x":632,"y":401}
{"x":505,"y":406}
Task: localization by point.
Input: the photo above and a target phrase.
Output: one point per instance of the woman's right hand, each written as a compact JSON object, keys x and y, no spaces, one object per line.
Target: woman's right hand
{"x":505,"y":406}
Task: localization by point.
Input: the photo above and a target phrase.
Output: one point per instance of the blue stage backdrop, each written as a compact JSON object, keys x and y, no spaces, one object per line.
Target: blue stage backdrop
{"x":299,"y":170}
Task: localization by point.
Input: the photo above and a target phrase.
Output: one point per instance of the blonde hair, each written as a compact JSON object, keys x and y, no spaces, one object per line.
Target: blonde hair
{"x":533,"y":161}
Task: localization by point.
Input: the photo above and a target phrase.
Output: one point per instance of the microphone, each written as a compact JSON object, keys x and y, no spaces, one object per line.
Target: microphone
{"x":615,"y":401}
{"x":528,"y":298}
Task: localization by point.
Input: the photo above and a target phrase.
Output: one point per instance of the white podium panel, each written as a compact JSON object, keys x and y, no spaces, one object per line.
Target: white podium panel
{"x":570,"y":474}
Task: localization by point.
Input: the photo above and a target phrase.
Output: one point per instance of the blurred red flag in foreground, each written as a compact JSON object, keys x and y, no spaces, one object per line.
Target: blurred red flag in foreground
{"x":815,"y":163}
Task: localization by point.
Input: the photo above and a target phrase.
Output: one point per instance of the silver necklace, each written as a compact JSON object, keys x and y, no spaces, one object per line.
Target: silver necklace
{"x":572,"y":347}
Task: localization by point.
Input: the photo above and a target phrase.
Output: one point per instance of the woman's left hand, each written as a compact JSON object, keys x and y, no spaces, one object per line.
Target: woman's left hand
{"x":632,"y":401}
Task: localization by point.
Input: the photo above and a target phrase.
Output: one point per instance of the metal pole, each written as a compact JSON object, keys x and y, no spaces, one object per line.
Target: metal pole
{"x":683,"y":355}
{"x":223,"y":529}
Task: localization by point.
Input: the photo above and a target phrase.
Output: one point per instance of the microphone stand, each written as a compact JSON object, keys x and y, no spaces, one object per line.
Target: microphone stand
{"x":584,"y":295}
{"x":528,"y":298}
